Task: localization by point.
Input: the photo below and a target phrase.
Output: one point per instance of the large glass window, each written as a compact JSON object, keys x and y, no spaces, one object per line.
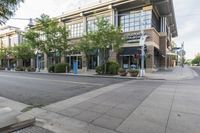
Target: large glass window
{"x":91,"y":24}
{"x":132,"y":21}
{"x":75,"y":30}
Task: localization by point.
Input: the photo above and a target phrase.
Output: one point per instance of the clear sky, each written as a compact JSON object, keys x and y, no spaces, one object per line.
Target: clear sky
{"x":187,"y":16}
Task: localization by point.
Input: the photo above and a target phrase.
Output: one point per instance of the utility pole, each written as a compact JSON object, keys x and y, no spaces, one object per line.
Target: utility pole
{"x":142,"y":44}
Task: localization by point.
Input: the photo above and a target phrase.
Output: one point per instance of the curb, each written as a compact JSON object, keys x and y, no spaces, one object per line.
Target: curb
{"x":80,"y":75}
{"x":23,"y":122}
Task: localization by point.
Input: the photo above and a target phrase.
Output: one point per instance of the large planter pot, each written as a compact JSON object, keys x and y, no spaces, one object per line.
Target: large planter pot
{"x":133,"y":74}
{"x":122,"y":73}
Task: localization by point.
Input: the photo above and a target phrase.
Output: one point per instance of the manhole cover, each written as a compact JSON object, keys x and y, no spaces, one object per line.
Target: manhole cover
{"x":33,"y":129}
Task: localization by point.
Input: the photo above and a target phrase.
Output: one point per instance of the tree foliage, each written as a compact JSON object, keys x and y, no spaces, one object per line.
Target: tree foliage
{"x":107,"y":37}
{"x":23,"y":51}
{"x":48,"y":36}
{"x":7,"y":9}
{"x":196,"y":60}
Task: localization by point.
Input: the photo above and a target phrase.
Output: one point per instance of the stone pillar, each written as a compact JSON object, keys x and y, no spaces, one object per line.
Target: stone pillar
{"x":150,"y":59}
{"x":163,"y":48}
{"x":84,"y":63}
{"x":32,"y":62}
{"x":113,"y":56}
{"x":19,"y":63}
{"x":45,"y":62}
{"x":62,"y":59}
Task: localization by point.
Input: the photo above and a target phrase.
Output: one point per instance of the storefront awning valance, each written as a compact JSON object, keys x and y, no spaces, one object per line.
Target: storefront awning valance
{"x":129,"y":51}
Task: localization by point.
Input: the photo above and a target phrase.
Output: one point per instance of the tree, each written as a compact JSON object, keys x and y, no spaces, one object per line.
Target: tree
{"x":107,"y":37}
{"x":86,"y":46}
{"x":23,"y":51}
{"x":196,"y":60}
{"x":7,"y":9}
{"x":48,"y":36}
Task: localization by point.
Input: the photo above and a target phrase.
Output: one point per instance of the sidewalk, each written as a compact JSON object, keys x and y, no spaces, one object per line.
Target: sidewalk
{"x":129,"y":107}
{"x":137,"y":106}
{"x":177,"y":73}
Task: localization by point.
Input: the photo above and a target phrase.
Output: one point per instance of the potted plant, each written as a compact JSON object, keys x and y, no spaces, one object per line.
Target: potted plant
{"x":122,"y":72}
{"x":133,"y":72}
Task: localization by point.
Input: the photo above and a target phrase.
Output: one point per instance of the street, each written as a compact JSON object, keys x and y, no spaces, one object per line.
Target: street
{"x":42,"y":89}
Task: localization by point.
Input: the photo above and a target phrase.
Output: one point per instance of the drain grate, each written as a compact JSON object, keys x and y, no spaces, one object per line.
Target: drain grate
{"x":33,"y":129}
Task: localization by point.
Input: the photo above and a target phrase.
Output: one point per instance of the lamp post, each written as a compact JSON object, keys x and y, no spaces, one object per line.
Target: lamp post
{"x":30,"y":24}
{"x":142,"y":44}
{"x":37,"y":61}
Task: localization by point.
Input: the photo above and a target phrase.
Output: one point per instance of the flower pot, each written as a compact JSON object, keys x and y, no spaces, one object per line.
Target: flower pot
{"x":122,"y":73}
{"x":133,"y":74}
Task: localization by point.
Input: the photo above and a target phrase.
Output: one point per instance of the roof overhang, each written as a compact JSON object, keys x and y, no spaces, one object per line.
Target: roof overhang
{"x":166,"y":8}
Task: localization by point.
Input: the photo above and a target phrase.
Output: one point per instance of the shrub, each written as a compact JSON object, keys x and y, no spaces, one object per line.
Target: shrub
{"x":30,"y":69}
{"x":2,"y":68}
{"x":61,"y":68}
{"x":51,"y":69}
{"x":99,"y":70}
{"x":133,"y":71}
{"x":20,"y":69}
{"x":112,"y":67}
{"x":122,"y":72}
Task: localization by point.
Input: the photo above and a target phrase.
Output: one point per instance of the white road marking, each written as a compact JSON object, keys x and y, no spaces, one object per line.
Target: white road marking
{"x":61,"y":81}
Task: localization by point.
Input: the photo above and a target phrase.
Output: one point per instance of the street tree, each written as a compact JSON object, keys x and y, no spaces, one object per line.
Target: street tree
{"x":23,"y":51}
{"x":86,"y":46}
{"x":107,"y":37}
{"x":7,"y":9}
{"x":196,"y":60}
{"x":48,"y":36}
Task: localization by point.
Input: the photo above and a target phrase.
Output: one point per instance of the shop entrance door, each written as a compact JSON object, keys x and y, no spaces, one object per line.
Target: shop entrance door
{"x":92,"y":63}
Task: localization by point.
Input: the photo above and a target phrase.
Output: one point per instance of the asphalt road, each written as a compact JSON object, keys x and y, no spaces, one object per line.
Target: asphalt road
{"x":42,"y":89}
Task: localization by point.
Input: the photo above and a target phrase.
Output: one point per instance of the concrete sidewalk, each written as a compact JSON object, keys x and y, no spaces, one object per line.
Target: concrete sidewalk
{"x":138,"y":106}
{"x":177,"y":73}
{"x":129,"y":107}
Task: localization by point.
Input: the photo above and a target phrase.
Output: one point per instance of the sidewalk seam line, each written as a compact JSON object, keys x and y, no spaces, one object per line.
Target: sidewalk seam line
{"x":170,"y":110}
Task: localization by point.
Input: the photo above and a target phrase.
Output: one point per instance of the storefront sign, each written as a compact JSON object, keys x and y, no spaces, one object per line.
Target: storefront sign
{"x":133,"y":37}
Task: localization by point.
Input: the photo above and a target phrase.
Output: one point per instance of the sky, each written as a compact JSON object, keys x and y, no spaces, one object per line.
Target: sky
{"x":187,"y":17}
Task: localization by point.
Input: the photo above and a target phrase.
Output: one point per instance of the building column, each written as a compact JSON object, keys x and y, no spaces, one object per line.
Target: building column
{"x":163,"y":47}
{"x":84,"y":62}
{"x":84,"y":25}
{"x":45,"y":62}
{"x":113,"y":56}
{"x":150,"y":59}
{"x":19,"y":63}
{"x":62,"y":59}
{"x":32,"y":62}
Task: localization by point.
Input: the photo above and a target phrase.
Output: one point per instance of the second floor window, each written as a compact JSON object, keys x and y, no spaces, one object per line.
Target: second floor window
{"x":131,"y":21}
{"x":75,"y":30}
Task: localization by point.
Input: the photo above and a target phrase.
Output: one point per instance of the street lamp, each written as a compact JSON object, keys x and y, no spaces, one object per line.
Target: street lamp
{"x":30,"y":24}
{"x":142,"y":44}
{"x":37,"y":53}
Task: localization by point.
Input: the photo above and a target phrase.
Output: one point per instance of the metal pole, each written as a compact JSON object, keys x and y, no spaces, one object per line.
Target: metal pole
{"x":142,"y":40}
{"x":182,"y":55}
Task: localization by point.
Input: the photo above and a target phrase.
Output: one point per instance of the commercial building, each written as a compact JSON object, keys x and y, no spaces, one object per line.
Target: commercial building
{"x":159,"y":25}
{"x":9,"y":37}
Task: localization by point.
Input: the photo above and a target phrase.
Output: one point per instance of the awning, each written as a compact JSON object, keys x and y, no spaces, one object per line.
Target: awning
{"x":129,"y":51}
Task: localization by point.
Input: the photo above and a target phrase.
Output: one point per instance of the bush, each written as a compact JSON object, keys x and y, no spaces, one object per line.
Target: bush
{"x":20,"y":69}
{"x":51,"y":69}
{"x":99,"y":70}
{"x":133,"y":71}
{"x":29,"y":69}
{"x":111,"y":68}
{"x":61,"y":68}
{"x":121,"y":70}
{"x":2,"y":68}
